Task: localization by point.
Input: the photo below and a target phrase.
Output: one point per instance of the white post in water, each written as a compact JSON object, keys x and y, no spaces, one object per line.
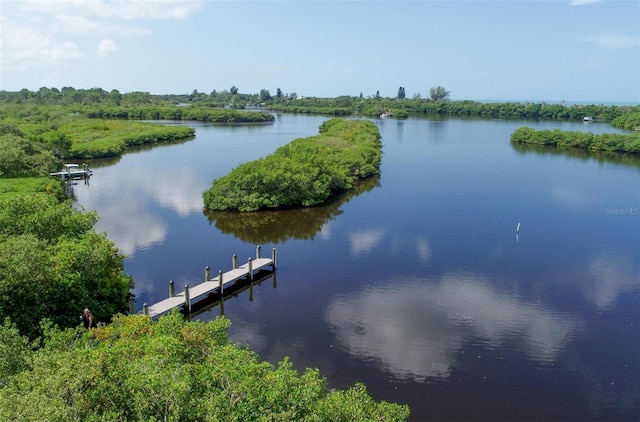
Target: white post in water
{"x":187,"y":299}
{"x":220,"y":283}
{"x":518,"y":228}
{"x":273,"y":258}
{"x":172,"y":290}
{"x":234,"y":261}
{"x":249,"y":264}
{"x":258,"y":252}
{"x":207,"y":273}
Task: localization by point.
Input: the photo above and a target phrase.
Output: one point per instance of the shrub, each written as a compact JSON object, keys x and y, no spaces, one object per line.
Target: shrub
{"x":305,"y":172}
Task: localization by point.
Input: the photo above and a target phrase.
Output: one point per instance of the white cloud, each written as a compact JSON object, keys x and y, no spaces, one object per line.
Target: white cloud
{"x":34,"y":31}
{"x":74,"y":24}
{"x":21,"y":44}
{"x":106,"y":46}
{"x":120,"y":9}
{"x":614,"y":40}
{"x":66,"y":50}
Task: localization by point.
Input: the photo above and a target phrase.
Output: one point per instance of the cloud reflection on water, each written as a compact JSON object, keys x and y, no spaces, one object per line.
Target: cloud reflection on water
{"x":128,"y":209}
{"x":364,"y":241}
{"x":415,"y":328}
{"x":610,"y":276}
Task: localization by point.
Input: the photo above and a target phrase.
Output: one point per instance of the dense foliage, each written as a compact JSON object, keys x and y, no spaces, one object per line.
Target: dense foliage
{"x":186,"y":112}
{"x":138,"y":370}
{"x":32,"y":137}
{"x":52,"y":263}
{"x":630,"y":121}
{"x":614,"y":142}
{"x":399,"y":108}
{"x":305,"y":172}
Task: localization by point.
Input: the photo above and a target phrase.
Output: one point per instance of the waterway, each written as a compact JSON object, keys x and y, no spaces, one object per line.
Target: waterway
{"x":416,"y":284}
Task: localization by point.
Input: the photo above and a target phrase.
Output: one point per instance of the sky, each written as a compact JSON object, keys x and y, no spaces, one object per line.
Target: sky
{"x":516,"y":50}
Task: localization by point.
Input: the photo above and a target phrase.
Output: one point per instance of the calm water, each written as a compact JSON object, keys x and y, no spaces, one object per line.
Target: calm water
{"x":416,"y":284}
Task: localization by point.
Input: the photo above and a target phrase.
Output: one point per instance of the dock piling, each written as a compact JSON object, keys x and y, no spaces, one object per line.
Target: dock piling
{"x":145,"y":307}
{"x":187,"y":299}
{"x":234,"y":261}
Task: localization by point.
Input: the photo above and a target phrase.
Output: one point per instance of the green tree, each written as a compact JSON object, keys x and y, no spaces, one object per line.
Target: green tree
{"x":265,"y":95}
{"x":20,"y":157}
{"x":15,"y":350}
{"x":438,"y":93}
{"x":115,"y":97}
{"x":136,"y":369}
{"x":233,"y":90}
{"x":401,"y":93}
{"x":52,"y":264}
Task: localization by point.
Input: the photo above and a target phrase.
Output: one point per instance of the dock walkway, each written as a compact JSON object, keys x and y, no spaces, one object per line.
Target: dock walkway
{"x":187,"y":296}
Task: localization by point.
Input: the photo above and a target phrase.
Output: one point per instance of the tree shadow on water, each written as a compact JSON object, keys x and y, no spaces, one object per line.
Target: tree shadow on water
{"x":278,"y":226}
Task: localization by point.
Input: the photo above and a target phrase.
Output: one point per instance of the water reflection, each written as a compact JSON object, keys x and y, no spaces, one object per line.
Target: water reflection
{"x":131,"y":234}
{"x":415,"y":329}
{"x":365,"y":240}
{"x":584,"y":155}
{"x":281,"y":225}
{"x":609,"y":277}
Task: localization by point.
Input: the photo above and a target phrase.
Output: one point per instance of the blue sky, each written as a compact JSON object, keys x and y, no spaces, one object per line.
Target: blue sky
{"x":542,"y":50}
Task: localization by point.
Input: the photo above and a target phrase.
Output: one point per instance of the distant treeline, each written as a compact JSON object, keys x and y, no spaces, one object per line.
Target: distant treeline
{"x":613,"y":142}
{"x":400,"y":108}
{"x":291,"y":103}
{"x":168,"y":112}
{"x":98,"y":103}
{"x":305,"y":172}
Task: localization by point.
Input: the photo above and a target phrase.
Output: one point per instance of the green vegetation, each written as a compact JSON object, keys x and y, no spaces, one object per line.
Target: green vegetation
{"x":614,"y":142}
{"x":399,"y":108}
{"x":32,"y":185}
{"x":305,"y":172}
{"x":170,"y":112}
{"x":93,"y":123}
{"x":138,"y":370}
{"x":33,"y":137}
{"x":281,"y":225}
{"x":52,"y":263}
{"x":629,"y":121}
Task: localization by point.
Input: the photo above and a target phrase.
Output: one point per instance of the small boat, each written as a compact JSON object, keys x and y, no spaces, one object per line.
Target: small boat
{"x":587,"y":119}
{"x":385,"y":115}
{"x":73,"y":171}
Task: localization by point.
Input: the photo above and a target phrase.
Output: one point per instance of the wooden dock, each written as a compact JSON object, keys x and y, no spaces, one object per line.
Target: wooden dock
{"x":192,"y":293}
